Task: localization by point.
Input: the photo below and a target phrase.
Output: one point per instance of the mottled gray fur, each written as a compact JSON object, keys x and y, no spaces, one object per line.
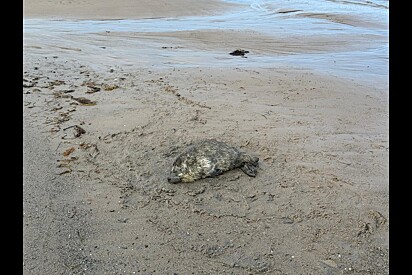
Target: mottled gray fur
{"x":210,"y":158}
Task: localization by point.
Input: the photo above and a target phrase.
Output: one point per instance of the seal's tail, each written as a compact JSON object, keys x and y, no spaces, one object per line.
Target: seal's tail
{"x":250,"y":165}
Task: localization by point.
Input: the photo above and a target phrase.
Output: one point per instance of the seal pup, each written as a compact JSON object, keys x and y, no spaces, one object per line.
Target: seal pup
{"x":210,"y":158}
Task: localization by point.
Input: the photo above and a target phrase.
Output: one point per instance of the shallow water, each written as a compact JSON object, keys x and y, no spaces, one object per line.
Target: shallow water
{"x":364,"y":60}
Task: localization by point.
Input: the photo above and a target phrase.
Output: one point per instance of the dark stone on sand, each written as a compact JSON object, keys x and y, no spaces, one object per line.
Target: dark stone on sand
{"x":239,"y":52}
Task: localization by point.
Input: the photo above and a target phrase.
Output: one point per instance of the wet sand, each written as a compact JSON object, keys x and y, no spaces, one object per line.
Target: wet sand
{"x":98,"y":201}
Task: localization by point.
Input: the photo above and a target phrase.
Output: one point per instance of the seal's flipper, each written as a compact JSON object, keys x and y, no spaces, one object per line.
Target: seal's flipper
{"x":249,"y":169}
{"x":216,"y":172}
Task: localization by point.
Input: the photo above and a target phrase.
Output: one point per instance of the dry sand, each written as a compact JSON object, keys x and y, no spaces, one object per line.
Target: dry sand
{"x":99,"y":202}
{"x":120,"y":9}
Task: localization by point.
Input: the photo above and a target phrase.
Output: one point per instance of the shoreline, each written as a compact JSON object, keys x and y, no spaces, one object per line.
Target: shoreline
{"x":116,"y":45}
{"x":345,"y":46}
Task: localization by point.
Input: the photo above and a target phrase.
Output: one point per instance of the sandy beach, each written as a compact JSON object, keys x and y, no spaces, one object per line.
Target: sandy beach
{"x":106,"y":110}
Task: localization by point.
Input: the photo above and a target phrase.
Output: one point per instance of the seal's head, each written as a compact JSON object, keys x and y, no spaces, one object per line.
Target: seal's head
{"x":181,"y":170}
